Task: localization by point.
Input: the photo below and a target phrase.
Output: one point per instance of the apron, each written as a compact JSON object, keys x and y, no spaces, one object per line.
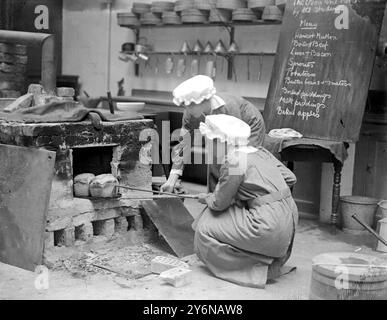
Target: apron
{"x":257,"y":269}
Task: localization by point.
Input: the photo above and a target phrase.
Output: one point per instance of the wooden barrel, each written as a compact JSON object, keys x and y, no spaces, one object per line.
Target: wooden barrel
{"x":348,"y":276}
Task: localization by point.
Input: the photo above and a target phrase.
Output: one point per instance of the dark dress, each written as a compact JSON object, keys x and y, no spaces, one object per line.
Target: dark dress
{"x":234,"y":106}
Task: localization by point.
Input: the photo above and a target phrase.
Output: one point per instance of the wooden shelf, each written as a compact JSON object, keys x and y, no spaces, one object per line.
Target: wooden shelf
{"x":207,"y":24}
{"x":206,"y":54}
{"x":230,"y":26}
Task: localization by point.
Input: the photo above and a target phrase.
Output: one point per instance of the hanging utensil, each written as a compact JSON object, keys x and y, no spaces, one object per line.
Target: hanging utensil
{"x":169,"y":64}
{"x":232,"y":51}
{"x":157,"y":65}
{"x":208,"y":49}
{"x":147,"y":63}
{"x":234,"y":70}
{"x":210,"y":69}
{"x":194,"y":67}
{"x":216,"y":61}
{"x":185,"y":50}
{"x":214,"y":71}
{"x":248,"y":67}
{"x":198,"y":49}
{"x":210,"y":64}
{"x":260,"y":66}
{"x":180,"y":68}
{"x":221,"y":50}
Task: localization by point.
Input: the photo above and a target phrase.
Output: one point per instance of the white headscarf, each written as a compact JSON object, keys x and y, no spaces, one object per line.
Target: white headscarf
{"x":226,"y":128}
{"x":194,"y":90}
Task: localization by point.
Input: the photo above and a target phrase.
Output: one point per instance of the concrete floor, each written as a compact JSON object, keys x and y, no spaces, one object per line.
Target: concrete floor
{"x":311,"y":240}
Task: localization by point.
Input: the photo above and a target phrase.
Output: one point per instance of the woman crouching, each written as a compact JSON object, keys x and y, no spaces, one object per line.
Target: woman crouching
{"x":246,"y":234}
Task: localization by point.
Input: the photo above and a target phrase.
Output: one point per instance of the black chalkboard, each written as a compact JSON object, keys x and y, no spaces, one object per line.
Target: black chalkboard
{"x":323,"y":67}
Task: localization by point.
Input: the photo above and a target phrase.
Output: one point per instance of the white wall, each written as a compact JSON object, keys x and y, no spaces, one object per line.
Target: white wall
{"x":85,"y":33}
{"x":85,"y":38}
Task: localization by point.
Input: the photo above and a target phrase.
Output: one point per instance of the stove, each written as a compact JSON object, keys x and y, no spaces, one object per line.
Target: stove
{"x":80,"y":148}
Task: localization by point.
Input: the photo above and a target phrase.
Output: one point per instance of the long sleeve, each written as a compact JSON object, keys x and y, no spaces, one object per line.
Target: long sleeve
{"x":288,"y":175}
{"x":252,"y":116}
{"x":186,"y":132}
{"x":225,"y":190}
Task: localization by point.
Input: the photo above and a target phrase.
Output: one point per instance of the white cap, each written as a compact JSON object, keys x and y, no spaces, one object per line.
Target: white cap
{"x":226,"y":128}
{"x":194,"y":90}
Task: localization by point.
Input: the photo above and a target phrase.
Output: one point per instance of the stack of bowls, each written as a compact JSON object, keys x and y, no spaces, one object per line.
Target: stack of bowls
{"x":243,"y":14}
{"x":272,"y":13}
{"x":127,"y":19}
{"x":181,"y":5}
{"x":259,"y":5}
{"x":194,"y":16}
{"x":140,"y":8}
{"x":220,"y":15}
{"x":205,"y":4}
{"x":162,"y":6}
{"x":281,"y":4}
{"x":150,"y":18}
{"x":231,"y":4}
{"x":171,"y":18}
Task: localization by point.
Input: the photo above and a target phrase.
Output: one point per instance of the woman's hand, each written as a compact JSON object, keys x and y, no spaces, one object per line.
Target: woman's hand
{"x":169,"y":186}
{"x":202,"y":198}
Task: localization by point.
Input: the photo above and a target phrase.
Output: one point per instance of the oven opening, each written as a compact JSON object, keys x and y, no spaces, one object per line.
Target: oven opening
{"x":94,"y":160}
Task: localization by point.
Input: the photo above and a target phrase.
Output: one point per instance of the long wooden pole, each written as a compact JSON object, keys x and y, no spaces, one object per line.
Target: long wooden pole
{"x":354,"y":216}
{"x":187,"y":196}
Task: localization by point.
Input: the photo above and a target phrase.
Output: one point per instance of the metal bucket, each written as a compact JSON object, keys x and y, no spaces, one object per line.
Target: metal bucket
{"x":382,"y":231}
{"x":365,"y":209}
{"x":383,"y":208}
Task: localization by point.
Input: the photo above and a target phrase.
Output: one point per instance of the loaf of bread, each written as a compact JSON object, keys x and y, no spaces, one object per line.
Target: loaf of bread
{"x":82,"y":184}
{"x":104,"y":186}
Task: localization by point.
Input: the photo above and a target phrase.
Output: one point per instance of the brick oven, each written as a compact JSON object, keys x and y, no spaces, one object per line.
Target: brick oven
{"x":81,"y":148}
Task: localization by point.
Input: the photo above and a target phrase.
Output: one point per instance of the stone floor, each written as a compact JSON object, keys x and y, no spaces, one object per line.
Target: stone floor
{"x":311,"y":239}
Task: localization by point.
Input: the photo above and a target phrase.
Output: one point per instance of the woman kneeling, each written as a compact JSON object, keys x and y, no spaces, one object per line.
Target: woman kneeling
{"x":246,"y":234}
